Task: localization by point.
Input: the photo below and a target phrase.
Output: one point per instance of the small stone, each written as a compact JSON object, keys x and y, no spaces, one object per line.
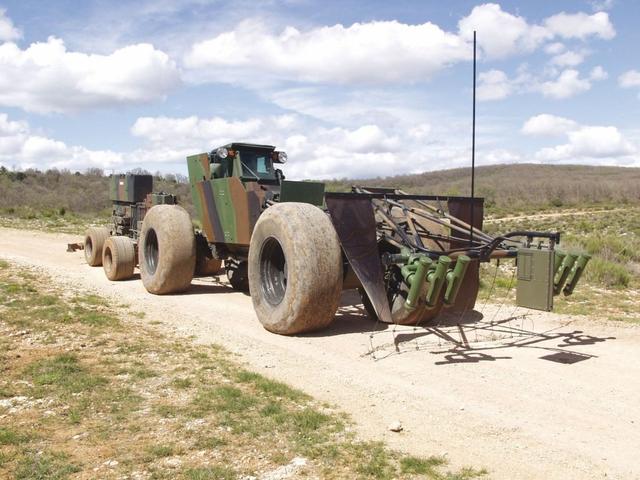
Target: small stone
{"x":173,"y":462}
{"x":111,"y":463}
{"x":396,"y":426}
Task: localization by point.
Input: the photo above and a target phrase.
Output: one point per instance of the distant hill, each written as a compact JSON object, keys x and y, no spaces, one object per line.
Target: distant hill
{"x":505,"y":187}
{"x":521,"y":185}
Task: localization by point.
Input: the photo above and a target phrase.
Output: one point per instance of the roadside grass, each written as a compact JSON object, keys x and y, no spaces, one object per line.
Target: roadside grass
{"x":610,"y":286}
{"x":113,"y":398}
{"x":50,"y":220}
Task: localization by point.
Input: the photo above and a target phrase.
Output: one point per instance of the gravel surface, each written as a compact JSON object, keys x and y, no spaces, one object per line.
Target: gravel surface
{"x":526,"y":395}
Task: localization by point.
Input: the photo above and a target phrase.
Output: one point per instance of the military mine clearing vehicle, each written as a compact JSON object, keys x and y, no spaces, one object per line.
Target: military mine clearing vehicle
{"x":295,"y":247}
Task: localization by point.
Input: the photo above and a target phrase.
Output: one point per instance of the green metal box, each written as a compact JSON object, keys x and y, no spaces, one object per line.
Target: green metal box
{"x":305,"y":192}
{"x":130,"y":188}
{"x":535,"y":279}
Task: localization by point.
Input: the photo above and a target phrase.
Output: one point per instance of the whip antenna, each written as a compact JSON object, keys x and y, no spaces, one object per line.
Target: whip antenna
{"x":473,"y":143}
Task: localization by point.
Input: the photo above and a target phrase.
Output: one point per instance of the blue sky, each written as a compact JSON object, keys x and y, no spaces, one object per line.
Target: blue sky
{"x":348,"y":89}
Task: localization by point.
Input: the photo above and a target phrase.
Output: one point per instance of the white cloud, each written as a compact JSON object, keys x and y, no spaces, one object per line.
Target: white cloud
{"x":598,"y":73}
{"x":493,"y":85}
{"x":22,"y":148}
{"x":192,"y":131}
{"x":581,"y":25}
{"x":629,"y":79}
{"x":375,"y":52}
{"x":45,"y":77}
{"x":585,"y":143}
{"x":315,"y":151}
{"x":546,"y":124}
{"x":8,"y":31}
{"x":420,"y":132}
{"x":568,"y":59}
{"x":555,"y":48}
{"x":379,"y":52}
{"x":566,"y":85}
{"x":500,"y":33}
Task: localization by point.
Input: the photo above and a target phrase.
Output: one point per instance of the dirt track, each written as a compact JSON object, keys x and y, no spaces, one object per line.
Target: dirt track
{"x":544,"y":396}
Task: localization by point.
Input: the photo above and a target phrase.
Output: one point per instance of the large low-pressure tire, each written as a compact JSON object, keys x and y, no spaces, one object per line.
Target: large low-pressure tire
{"x":94,"y":240}
{"x":118,"y":258}
{"x":295,"y":269}
{"x":167,"y":250}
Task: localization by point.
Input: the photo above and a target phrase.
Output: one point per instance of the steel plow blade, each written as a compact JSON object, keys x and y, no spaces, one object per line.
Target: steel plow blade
{"x":355,"y":224}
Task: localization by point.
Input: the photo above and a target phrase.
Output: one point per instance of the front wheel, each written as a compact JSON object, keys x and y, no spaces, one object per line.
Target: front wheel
{"x":295,"y":268}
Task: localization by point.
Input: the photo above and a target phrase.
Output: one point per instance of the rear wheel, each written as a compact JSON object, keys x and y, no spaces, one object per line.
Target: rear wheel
{"x":167,"y":250}
{"x":93,"y":243}
{"x":295,"y":268}
{"x":119,"y":258}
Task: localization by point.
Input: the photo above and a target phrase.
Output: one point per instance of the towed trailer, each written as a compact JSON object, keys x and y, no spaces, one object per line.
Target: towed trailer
{"x":295,"y":247}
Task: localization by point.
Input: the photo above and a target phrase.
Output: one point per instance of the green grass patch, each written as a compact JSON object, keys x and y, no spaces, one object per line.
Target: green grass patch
{"x":210,"y":473}
{"x":45,"y":466}
{"x":12,"y":437}
{"x":421,"y":466}
{"x":270,"y":387}
{"x":375,"y":462}
{"x":182,"y":383}
{"x":162,"y":451}
{"x":63,"y":373}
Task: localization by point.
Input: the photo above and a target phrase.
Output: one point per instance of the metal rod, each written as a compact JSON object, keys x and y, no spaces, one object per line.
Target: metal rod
{"x":395,"y":196}
{"x":477,"y":231}
{"x":473,"y":142}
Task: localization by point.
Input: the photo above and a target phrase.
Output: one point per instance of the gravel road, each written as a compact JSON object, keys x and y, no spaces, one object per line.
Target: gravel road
{"x":523,"y":394}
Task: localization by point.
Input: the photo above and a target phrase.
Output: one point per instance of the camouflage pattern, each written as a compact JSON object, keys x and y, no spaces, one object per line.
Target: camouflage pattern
{"x":228,"y":200}
{"x":228,"y":209}
{"x":130,"y":188}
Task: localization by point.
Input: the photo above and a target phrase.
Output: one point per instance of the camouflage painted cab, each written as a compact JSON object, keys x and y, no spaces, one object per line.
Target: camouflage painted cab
{"x":231,"y":187}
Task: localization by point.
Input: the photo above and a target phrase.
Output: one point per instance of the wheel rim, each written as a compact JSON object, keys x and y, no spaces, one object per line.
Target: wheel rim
{"x":273,"y":271}
{"x":151,"y":251}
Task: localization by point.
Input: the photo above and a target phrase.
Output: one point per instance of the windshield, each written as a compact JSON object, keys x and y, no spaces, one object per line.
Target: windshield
{"x":256,"y":164}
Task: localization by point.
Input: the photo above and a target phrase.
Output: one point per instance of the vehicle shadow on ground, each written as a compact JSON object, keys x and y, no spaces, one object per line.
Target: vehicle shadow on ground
{"x":207,"y":285}
{"x":463,"y":337}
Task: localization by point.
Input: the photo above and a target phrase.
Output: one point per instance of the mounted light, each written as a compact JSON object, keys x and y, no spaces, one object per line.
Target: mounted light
{"x":282,"y":157}
{"x":222,"y":152}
